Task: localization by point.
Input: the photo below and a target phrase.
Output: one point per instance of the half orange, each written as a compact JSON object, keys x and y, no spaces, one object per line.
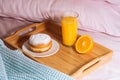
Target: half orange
{"x":84,"y":44}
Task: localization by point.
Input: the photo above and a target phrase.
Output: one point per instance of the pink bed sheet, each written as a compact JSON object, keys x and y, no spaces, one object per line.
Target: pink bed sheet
{"x":94,"y":15}
{"x":9,"y":25}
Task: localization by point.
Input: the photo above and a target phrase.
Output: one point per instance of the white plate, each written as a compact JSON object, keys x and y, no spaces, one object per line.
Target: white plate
{"x":51,"y":51}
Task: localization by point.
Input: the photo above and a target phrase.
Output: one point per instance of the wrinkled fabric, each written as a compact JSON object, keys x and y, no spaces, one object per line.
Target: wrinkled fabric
{"x":8,"y":26}
{"x":94,"y":15}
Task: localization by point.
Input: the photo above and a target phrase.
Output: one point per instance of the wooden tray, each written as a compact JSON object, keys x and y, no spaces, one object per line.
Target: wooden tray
{"x":66,"y":60}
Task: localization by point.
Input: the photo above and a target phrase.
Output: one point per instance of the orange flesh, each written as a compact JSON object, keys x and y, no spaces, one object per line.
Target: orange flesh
{"x":84,"y":44}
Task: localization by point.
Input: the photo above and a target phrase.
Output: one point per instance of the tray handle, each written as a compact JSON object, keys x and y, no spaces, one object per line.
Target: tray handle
{"x":91,"y":66}
{"x":33,"y":28}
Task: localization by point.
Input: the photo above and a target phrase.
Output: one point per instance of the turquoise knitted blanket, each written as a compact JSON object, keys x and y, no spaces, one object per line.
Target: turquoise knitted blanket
{"x":15,"y":66}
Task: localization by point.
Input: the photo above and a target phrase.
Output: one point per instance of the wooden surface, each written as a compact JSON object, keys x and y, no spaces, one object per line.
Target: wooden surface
{"x":66,"y":60}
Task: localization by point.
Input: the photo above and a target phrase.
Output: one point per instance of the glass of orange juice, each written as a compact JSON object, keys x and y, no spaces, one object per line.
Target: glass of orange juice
{"x":69,"y":28}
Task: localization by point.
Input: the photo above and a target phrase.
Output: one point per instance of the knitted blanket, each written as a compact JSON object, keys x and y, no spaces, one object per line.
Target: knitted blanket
{"x":15,"y":66}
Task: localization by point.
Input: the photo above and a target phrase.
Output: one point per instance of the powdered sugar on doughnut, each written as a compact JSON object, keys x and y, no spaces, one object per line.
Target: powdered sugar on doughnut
{"x":39,"y":39}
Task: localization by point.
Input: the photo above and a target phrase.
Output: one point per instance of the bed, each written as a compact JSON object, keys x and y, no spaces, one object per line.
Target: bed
{"x":98,"y":18}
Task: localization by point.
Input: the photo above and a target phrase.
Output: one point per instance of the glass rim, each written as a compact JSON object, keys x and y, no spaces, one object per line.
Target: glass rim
{"x":70,"y":13}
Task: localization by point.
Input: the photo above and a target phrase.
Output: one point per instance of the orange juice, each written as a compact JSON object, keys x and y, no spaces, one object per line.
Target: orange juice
{"x":69,"y":30}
